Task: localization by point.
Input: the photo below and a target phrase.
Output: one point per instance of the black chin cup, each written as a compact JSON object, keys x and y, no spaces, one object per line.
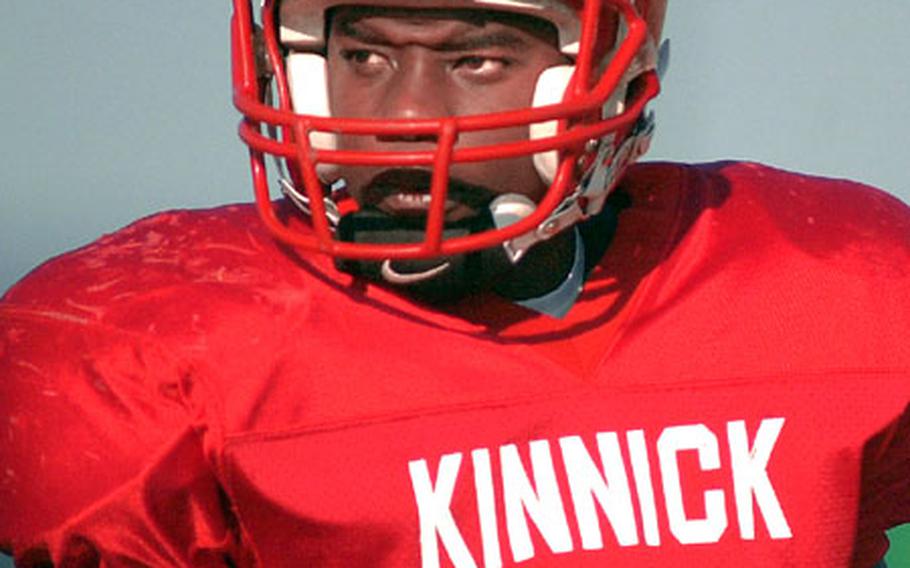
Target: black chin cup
{"x":448,"y":278}
{"x":437,"y":280}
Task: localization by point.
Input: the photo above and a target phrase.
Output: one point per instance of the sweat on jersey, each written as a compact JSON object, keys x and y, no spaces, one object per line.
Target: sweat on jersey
{"x":731,"y":389}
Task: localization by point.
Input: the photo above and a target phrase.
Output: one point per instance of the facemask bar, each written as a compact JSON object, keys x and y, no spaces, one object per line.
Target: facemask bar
{"x":285,"y":180}
{"x":581,"y":103}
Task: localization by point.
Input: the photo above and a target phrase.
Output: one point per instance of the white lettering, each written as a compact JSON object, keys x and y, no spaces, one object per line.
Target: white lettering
{"x":610,"y":488}
{"x":750,"y":477}
{"x":641,"y":470}
{"x":600,"y":491}
{"x":543,"y":505}
{"x":486,"y":508}
{"x":433,"y":508}
{"x":699,"y":438}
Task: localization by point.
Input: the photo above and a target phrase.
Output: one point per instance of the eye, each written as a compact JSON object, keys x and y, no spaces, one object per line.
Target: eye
{"x":365,"y":61}
{"x":481,"y":66}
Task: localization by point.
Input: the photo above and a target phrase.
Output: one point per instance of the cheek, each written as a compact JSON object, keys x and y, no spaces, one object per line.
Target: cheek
{"x":515,"y":93}
{"x":504,"y":175}
{"x":348,"y":94}
{"x":514,"y":175}
{"x":346,"y":100}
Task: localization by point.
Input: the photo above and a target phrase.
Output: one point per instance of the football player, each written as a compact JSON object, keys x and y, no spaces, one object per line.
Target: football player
{"x":466,"y":329}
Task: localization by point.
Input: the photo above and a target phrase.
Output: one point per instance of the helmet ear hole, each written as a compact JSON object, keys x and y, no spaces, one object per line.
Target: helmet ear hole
{"x":308,"y":84}
{"x":550,"y":89}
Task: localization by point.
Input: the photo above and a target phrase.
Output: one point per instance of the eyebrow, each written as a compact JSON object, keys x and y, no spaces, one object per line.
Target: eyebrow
{"x":505,"y":39}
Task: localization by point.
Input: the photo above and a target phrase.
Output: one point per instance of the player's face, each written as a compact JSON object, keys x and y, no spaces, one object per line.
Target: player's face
{"x":421,"y":63}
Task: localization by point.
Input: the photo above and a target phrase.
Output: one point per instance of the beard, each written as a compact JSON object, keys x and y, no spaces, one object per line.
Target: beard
{"x":405,"y":192}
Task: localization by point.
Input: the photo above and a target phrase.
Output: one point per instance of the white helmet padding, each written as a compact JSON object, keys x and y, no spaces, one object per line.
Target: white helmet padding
{"x":550,"y":89}
{"x":308,"y":85}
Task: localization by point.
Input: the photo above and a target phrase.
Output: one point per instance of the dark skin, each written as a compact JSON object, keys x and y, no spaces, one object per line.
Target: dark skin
{"x":429,"y":63}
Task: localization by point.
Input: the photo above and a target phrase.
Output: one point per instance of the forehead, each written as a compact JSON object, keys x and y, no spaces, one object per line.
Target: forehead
{"x":363,"y":21}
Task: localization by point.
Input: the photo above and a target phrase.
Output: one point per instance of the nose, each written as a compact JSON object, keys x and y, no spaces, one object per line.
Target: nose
{"x":416,"y":90}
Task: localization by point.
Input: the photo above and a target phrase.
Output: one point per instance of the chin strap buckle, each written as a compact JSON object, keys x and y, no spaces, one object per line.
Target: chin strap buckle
{"x":592,"y":191}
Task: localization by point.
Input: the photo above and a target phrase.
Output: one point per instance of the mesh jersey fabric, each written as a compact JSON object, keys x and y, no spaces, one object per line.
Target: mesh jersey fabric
{"x":731,"y":387}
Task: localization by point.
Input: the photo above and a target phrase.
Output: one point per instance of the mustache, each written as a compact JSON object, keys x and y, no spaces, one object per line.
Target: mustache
{"x":407,"y":180}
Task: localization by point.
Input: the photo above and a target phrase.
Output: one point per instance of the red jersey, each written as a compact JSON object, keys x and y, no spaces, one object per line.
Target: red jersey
{"x":731,"y":388}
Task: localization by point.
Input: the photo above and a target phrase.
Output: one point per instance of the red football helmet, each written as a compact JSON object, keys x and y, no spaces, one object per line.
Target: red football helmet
{"x":588,"y":122}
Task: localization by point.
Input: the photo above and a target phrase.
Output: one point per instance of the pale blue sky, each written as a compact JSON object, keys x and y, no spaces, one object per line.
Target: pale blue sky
{"x":114,"y":110}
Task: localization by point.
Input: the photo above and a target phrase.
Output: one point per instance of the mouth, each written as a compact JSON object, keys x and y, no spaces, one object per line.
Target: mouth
{"x":406,"y":193}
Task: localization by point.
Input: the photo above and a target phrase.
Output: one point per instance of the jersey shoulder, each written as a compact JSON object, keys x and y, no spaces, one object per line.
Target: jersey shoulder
{"x":168,"y":264}
{"x":770,"y":267}
{"x":817,"y":214}
{"x":758,"y":209}
{"x":117,"y":344}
